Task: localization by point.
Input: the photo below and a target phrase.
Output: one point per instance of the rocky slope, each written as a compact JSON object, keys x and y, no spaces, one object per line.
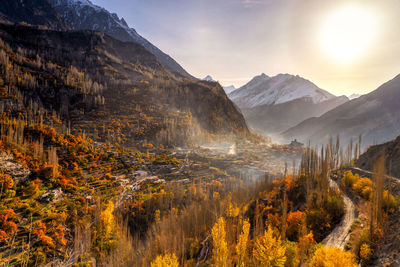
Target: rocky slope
{"x":375,"y":115}
{"x":35,"y":12}
{"x":84,"y":15}
{"x":113,"y":89}
{"x":391,"y":150}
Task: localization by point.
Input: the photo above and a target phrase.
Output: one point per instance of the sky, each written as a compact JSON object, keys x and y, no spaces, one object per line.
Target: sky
{"x":343,"y":46}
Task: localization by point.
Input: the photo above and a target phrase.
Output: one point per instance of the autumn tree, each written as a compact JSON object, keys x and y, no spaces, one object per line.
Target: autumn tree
{"x":166,"y":260}
{"x":269,"y":250}
{"x":7,"y":224}
{"x":6,"y":183}
{"x":327,"y":257}
{"x":378,"y":178}
{"x":241,"y":245}
{"x":220,"y":254}
{"x":365,"y":253}
{"x":107,"y":227}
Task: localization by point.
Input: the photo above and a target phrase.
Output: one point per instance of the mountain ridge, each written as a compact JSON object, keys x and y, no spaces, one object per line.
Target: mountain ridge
{"x":275,"y":104}
{"x":273,"y":119}
{"x":278,"y":89}
{"x":375,"y":115}
{"x":84,"y":15}
{"x":123,"y":81}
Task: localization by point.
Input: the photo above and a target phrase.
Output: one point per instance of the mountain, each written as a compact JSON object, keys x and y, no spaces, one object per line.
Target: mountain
{"x":375,"y":115}
{"x":265,"y":90}
{"x":208,"y":78}
{"x":391,"y":150}
{"x":354,"y":96}
{"x":274,"y":104}
{"x":36,"y":12}
{"x":273,"y":119}
{"x":229,"y":89}
{"x":83,"y":15}
{"x":110,"y":89}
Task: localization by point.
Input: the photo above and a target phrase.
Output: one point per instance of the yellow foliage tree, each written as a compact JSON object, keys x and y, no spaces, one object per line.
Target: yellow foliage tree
{"x":166,"y":260}
{"x":269,"y":250}
{"x":6,"y":182}
{"x":242,"y":243}
{"x":365,"y":252}
{"x":220,"y":247}
{"x":233,"y":211}
{"x":107,"y":220}
{"x":331,"y":257}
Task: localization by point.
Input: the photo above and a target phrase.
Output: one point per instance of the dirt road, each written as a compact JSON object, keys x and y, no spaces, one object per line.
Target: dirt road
{"x":341,"y":233}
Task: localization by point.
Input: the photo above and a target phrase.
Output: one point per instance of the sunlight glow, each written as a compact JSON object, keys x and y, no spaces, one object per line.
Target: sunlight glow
{"x":348,"y":33}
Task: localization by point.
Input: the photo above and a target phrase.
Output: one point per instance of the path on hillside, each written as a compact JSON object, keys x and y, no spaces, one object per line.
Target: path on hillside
{"x":397,"y":180}
{"x":341,"y":234}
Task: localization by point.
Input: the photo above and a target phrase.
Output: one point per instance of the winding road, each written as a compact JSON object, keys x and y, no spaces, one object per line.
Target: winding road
{"x":341,"y":234}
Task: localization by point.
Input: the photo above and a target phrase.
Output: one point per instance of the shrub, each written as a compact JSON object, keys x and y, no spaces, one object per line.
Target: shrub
{"x":167,"y":260}
{"x":364,"y":188}
{"x":6,"y":182}
{"x":318,"y":220}
{"x":365,"y":252}
{"x":389,"y":202}
{"x":294,"y":220}
{"x":334,"y":205}
{"x":326,"y":257}
{"x":292,"y":260}
{"x":349,"y":178}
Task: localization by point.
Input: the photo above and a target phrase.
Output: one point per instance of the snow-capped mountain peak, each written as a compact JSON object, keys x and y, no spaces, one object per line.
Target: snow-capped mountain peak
{"x":229,"y":89}
{"x":208,"y":78}
{"x":354,"y":96}
{"x":282,"y":88}
{"x":72,"y":2}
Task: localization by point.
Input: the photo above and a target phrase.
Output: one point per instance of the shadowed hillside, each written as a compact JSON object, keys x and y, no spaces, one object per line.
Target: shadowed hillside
{"x":113,"y":89}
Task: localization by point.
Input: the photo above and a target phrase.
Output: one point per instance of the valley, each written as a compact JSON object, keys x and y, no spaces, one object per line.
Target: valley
{"x":112,"y":154}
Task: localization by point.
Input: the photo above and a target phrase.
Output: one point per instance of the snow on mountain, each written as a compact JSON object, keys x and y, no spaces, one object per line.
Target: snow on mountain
{"x":229,"y":89}
{"x":375,"y":115}
{"x":84,"y":15}
{"x":282,"y":88}
{"x":208,"y":78}
{"x":354,"y":96}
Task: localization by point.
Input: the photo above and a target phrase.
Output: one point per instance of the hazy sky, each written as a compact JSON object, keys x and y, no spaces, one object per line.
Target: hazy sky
{"x":234,"y":40}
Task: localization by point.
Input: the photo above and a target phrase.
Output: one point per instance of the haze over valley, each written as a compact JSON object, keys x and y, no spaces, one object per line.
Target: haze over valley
{"x":199,"y":133}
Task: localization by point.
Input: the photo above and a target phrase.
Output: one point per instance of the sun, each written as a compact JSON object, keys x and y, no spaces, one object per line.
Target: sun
{"x":348,"y":33}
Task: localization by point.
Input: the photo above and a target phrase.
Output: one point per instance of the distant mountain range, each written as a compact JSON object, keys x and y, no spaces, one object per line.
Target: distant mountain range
{"x":375,"y":115}
{"x":274,"y":104}
{"x":273,"y":119}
